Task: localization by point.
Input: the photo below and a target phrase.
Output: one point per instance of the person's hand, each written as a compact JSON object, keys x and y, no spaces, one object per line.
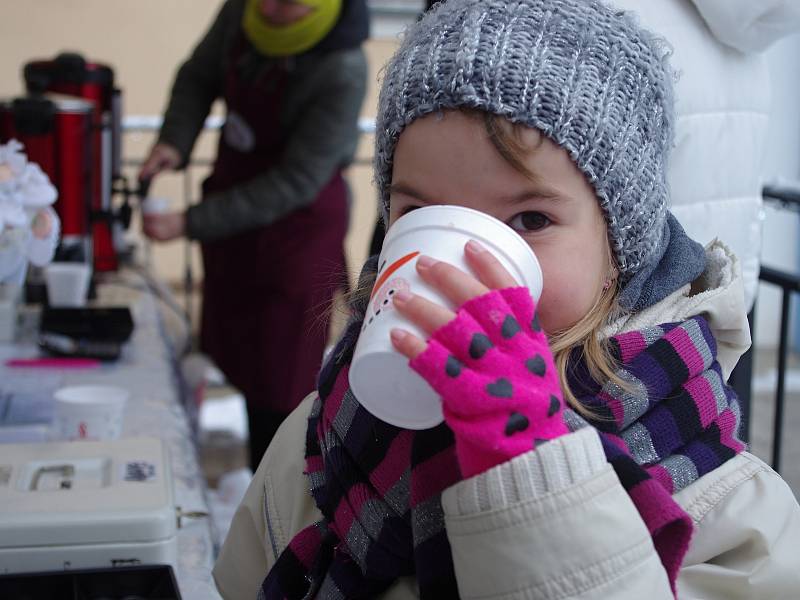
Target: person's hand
{"x":164,"y":227}
{"x":162,"y":156}
{"x":490,"y":362}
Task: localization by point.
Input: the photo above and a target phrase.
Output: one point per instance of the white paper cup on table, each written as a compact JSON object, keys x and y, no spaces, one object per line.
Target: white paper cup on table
{"x":67,"y":283}
{"x":379,"y":375}
{"x":89,"y":412}
{"x":155,"y":205}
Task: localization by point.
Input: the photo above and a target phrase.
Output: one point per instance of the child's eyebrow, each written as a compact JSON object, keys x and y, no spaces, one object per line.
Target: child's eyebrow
{"x":540,"y":192}
{"x":537,"y":193}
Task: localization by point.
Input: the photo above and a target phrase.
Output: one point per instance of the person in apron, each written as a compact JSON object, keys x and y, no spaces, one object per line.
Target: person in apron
{"x":274,"y":210}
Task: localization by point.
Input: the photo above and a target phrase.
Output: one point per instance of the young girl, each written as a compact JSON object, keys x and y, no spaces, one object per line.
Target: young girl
{"x":589,"y":448}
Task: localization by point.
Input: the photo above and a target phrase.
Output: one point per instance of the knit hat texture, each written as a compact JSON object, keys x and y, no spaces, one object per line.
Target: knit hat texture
{"x":585,"y":75}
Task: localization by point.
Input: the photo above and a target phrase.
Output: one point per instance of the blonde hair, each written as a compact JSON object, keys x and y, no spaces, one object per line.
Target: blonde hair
{"x":588,"y":334}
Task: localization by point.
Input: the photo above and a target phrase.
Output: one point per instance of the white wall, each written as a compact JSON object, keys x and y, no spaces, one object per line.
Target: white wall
{"x":781,"y":161}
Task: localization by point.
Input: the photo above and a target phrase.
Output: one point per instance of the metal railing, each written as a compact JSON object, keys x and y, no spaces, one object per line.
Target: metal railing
{"x":788,"y":197}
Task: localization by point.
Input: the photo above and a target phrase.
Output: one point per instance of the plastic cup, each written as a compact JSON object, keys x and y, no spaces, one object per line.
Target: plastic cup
{"x":67,"y":283}
{"x":379,"y":375}
{"x":89,"y":412}
{"x":155,"y":205}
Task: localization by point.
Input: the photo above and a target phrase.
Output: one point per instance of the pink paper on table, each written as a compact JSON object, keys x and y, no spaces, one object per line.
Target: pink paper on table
{"x":54,"y":363}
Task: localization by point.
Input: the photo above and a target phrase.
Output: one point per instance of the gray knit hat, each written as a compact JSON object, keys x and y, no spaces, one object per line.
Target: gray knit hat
{"x":585,"y":75}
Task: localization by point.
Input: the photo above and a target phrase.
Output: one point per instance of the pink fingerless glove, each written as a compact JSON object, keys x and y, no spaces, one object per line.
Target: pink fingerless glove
{"x":494,"y":370}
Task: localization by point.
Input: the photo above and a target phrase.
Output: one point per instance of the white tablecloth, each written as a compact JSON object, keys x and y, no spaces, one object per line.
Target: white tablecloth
{"x":147,"y":369}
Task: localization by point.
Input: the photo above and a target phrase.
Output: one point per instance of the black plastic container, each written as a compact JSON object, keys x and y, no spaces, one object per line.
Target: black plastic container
{"x":153,"y":582}
{"x":111,"y":324}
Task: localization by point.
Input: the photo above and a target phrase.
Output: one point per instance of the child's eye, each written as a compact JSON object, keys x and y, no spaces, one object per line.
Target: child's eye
{"x":529,"y":221}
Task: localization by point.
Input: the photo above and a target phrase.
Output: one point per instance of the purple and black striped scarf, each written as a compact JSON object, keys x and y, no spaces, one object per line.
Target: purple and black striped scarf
{"x":378,"y":487}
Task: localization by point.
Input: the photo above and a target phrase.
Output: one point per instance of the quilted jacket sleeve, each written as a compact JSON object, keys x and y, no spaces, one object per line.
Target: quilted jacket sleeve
{"x":551,"y":523}
{"x":747,"y":534}
{"x":198,"y":82}
{"x":750,"y":26}
{"x":557,"y":523}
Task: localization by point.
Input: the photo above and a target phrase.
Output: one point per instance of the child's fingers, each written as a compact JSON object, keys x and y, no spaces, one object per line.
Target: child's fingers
{"x":427,"y":315}
{"x":407,"y":343}
{"x":452,"y":282}
{"x":486,"y":266}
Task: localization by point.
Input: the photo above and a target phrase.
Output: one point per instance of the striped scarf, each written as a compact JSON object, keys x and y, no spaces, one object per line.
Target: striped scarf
{"x":379,"y":487}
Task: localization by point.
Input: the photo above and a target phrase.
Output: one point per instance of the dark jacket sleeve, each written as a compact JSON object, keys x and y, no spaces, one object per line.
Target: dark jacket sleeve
{"x":322,"y":140}
{"x":197,"y":84}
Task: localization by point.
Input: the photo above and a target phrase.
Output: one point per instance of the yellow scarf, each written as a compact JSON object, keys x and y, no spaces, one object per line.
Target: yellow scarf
{"x":285,"y":40}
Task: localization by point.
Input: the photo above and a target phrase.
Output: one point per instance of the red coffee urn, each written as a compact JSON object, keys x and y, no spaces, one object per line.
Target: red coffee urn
{"x":70,"y":74}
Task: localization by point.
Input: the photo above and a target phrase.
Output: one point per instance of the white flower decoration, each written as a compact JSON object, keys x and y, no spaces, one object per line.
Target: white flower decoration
{"x":26,"y":195}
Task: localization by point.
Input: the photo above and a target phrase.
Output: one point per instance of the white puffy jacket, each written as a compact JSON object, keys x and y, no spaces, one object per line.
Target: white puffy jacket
{"x":556,"y":523}
{"x":723,"y":106}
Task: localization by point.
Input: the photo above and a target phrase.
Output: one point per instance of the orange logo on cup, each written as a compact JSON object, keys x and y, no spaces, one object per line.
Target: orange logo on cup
{"x":391,"y":269}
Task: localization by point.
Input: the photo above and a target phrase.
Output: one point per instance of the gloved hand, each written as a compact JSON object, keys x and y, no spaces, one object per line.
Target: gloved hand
{"x":494,"y":370}
{"x":490,"y":362}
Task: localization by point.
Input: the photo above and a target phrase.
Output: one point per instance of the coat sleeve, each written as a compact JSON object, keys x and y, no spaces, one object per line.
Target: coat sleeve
{"x":552,"y":523}
{"x":750,"y":26}
{"x":322,"y":141}
{"x":747,"y":535}
{"x":197,"y":84}
{"x":557,"y":523}
{"x":275,"y":507}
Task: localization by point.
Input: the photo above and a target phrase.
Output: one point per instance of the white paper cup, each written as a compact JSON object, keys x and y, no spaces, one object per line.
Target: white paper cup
{"x":67,"y":283}
{"x":89,"y":412}
{"x":155,"y":205}
{"x":379,"y":375}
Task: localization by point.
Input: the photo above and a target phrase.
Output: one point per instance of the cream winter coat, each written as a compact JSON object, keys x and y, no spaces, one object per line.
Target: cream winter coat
{"x":723,"y":106}
{"x":556,"y":522}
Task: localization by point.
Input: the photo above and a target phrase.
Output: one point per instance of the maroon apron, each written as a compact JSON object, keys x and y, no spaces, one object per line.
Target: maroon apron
{"x":267,"y":292}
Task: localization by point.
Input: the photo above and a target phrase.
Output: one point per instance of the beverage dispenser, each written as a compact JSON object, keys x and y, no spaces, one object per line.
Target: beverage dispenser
{"x":71,"y":75}
{"x":57,"y":134}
